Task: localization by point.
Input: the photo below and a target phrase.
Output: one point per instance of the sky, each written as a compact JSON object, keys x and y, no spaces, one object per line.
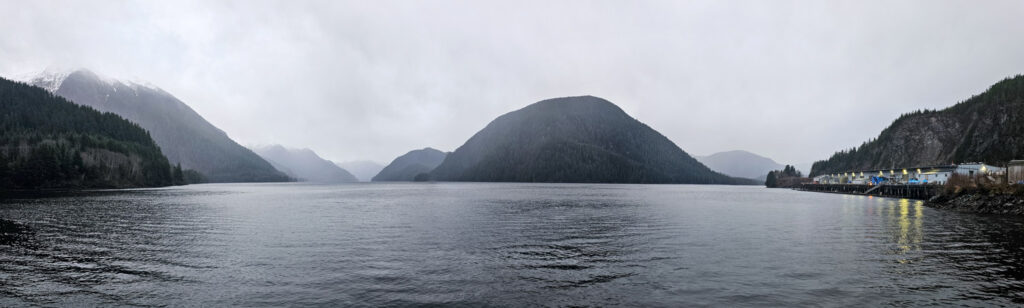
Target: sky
{"x":370,"y":80}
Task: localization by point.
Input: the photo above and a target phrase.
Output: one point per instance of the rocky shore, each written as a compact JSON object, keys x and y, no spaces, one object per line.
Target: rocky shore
{"x":980,"y":203}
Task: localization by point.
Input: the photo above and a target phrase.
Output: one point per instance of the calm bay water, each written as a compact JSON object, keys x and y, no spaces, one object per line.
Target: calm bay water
{"x":479,"y":244}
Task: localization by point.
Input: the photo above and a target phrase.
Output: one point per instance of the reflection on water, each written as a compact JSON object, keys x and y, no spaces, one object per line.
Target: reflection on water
{"x":980,"y":256}
{"x":907,"y":228}
{"x":903,"y":220}
{"x":500,"y":245}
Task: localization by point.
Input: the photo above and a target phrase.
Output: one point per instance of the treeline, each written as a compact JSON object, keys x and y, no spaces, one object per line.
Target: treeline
{"x":48,"y":142}
{"x":787,"y":177}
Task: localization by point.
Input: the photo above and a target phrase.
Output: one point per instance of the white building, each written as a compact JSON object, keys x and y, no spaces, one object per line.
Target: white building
{"x":1015,"y":172}
{"x":972,"y":169}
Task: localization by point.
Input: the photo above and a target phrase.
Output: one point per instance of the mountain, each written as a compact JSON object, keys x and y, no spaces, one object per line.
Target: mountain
{"x":304,"y":165}
{"x":573,"y":140}
{"x":183,"y":135}
{"x":740,"y":163}
{"x":49,"y":142}
{"x":364,"y":170}
{"x":988,"y":127}
{"x":407,"y":167}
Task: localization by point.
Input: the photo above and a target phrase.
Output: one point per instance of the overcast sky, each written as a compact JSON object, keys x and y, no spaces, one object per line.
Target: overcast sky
{"x":794,"y":81}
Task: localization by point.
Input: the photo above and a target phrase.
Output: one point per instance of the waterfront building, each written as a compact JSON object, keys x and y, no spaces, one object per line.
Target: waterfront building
{"x":1015,"y":172}
{"x":915,"y":175}
{"x":972,"y":169}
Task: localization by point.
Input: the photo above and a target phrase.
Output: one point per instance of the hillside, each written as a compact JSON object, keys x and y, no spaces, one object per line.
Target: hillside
{"x":988,"y":127}
{"x":740,"y":163}
{"x":48,"y":142}
{"x":183,"y":135}
{"x":364,"y":170}
{"x":304,"y":165}
{"x":407,"y":167}
{"x":573,"y":140}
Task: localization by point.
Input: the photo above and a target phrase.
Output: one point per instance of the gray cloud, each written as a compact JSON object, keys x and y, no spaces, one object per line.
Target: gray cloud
{"x":794,"y":81}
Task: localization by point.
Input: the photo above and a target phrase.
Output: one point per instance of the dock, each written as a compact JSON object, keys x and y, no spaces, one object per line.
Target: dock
{"x":909,"y":191}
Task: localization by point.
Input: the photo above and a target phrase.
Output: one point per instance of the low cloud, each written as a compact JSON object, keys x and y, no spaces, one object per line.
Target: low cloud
{"x":794,"y":81}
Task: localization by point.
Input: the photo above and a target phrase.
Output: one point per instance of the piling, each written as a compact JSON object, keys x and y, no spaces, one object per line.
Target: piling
{"x":909,"y":191}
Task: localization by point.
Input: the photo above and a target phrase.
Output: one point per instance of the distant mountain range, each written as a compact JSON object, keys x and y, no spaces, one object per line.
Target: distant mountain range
{"x":364,"y":170}
{"x":182,"y":134}
{"x":407,"y":167}
{"x":49,"y":142}
{"x":988,"y":127}
{"x":741,"y":164}
{"x":304,"y":165}
{"x":581,"y":139}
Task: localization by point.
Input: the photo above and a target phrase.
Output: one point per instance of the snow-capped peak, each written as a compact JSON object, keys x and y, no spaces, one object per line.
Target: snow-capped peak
{"x":51,"y":79}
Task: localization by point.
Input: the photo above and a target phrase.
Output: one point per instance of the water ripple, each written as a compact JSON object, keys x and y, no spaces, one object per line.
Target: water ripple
{"x":479,"y":244}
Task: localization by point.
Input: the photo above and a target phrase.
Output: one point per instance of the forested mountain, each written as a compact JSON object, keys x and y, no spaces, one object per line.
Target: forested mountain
{"x":988,"y":127}
{"x":573,"y":139}
{"x":184,"y":136}
{"x":48,"y":142}
{"x":364,"y":170}
{"x":304,"y":165}
{"x":407,"y":167}
{"x":740,"y":164}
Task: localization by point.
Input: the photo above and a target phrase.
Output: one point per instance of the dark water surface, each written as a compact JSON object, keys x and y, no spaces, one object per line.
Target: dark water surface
{"x":500,"y":245}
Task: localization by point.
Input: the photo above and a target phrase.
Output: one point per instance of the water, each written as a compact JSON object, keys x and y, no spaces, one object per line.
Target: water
{"x":500,"y":245}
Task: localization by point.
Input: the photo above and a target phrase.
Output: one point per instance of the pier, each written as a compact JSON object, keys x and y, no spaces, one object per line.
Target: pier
{"x":909,"y":191}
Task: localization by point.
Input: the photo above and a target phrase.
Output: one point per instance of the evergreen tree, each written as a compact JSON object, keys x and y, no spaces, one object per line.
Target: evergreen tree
{"x":790,"y":171}
{"x":771,"y":181}
{"x":4,"y":169}
{"x":179,"y":176}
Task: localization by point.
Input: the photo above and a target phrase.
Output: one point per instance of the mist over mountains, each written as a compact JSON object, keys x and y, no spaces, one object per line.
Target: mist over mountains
{"x":581,"y":139}
{"x":183,"y":135}
{"x":739,"y":163}
{"x":572,"y":139}
{"x":364,"y":170}
{"x":49,"y":142}
{"x":304,"y":165}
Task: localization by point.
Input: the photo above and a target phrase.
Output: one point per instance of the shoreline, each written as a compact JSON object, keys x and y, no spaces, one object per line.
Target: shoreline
{"x":980,"y":203}
{"x":973,"y":202}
